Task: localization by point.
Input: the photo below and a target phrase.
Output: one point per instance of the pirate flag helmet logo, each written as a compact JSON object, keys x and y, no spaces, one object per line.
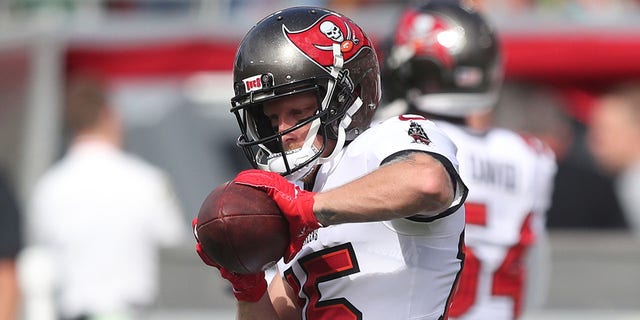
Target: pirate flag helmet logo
{"x":317,"y":40}
{"x":428,"y":35}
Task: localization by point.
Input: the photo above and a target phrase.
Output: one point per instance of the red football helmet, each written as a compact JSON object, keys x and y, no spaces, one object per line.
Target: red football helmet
{"x":444,"y":59}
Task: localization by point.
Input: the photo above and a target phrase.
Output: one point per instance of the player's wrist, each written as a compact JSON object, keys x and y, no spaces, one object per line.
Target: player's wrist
{"x":302,"y":221}
{"x":306,"y":203}
{"x":246,"y":287}
{"x":251,"y":291}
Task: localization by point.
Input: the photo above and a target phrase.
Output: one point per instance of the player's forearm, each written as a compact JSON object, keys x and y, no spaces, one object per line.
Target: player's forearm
{"x":260,"y":310}
{"x":418,"y":184}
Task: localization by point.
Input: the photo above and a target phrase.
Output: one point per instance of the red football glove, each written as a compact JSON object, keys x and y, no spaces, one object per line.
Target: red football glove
{"x":296,"y":205}
{"x":246,"y":287}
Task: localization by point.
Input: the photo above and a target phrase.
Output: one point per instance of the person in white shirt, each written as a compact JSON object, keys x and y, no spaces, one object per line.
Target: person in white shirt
{"x":614,"y":139}
{"x":443,"y":62}
{"x":104,"y":214}
{"x":375,"y":212}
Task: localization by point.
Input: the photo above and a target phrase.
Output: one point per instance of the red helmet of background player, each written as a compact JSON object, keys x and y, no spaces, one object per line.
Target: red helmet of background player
{"x":443,"y":59}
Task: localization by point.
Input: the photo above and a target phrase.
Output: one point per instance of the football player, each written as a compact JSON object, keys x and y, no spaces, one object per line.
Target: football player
{"x":444,"y":63}
{"x":375,"y":213}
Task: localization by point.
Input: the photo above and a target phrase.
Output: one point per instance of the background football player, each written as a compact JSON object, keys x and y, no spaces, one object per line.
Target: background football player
{"x":444,"y":62}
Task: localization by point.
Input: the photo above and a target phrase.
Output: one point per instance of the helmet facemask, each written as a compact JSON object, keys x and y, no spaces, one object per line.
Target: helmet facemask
{"x":263,"y":145}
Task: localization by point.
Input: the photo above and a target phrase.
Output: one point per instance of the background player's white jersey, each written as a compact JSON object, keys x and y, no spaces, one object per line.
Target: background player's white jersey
{"x":510,"y":180}
{"x":399,"y":269}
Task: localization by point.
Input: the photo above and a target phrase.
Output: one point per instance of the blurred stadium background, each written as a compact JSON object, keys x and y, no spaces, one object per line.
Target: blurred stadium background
{"x":168,"y":64}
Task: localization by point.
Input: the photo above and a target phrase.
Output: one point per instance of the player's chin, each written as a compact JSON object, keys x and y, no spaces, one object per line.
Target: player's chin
{"x":292,"y":146}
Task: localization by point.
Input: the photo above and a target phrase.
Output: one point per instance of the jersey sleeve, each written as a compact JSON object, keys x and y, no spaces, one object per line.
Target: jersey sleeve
{"x":415,"y":133}
{"x":411,"y":132}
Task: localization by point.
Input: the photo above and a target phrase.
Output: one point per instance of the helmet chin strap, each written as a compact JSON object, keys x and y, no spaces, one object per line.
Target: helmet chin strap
{"x":346,"y":121}
{"x":338,"y":63}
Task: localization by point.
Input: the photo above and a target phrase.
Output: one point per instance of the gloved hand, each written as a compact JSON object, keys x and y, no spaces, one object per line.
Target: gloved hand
{"x":296,"y":205}
{"x":246,"y":287}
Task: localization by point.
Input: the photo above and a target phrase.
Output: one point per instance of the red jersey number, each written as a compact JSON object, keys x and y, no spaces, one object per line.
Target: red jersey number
{"x":507,"y":280}
{"x":322,"y":266}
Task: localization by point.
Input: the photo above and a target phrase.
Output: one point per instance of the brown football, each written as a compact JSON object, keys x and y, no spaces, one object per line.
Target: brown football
{"x":242,"y":228}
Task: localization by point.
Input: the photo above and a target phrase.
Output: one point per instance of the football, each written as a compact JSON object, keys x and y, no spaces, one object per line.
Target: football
{"x":242,"y":229}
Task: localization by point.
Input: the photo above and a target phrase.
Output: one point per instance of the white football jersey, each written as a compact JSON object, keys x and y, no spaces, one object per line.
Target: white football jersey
{"x":399,"y":269}
{"x":510,"y":179}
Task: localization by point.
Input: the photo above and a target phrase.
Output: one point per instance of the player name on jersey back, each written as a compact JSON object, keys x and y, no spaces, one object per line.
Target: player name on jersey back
{"x":489,"y":172}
